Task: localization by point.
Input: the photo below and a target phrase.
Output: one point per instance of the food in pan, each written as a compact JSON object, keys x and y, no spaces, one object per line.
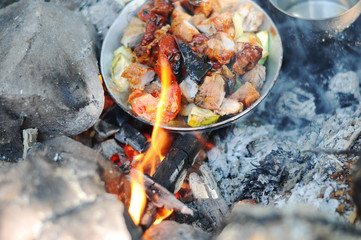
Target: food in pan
{"x":214,"y":48}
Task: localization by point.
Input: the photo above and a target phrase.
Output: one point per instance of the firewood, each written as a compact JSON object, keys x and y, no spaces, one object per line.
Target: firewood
{"x":208,"y":196}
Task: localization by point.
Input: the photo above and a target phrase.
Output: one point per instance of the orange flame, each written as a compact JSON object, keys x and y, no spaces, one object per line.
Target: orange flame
{"x":155,"y":154}
{"x":161,"y":215}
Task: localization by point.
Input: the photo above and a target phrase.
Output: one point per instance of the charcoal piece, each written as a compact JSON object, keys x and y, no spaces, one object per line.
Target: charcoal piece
{"x":171,"y":172}
{"x":195,"y":66}
{"x":132,"y":137}
{"x":347,"y":99}
{"x":109,"y":148}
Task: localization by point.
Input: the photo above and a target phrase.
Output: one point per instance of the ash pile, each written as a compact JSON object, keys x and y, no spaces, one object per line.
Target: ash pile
{"x":283,"y":173}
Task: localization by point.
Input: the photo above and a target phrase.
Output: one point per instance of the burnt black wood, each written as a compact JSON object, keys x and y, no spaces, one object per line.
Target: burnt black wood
{"x":171,"y":172}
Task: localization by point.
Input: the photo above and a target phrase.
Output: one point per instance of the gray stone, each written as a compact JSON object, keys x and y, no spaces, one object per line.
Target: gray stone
{"x":301,"y":222}
{"x":170,"y":230}
{"x":57,"y":193}
{"x":49,"y":70}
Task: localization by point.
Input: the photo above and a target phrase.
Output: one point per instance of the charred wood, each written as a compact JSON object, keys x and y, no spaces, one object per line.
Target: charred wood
{"x":161,"y":197}
{"x":132,"y":137}
{"x":173,"y":169}
{"x":208,"y":196}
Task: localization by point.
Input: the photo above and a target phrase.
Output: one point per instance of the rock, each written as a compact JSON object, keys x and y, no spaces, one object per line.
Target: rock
{"x":292,"y":223}
{"x":57,"y":193}
{"x":170,"y":230}
{"x":49,"y":72}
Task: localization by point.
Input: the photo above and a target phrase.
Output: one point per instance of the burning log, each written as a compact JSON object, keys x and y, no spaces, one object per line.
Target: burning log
{"x":161,"y":197}
{"x":208,"y":196}
{"x":173,"y":169}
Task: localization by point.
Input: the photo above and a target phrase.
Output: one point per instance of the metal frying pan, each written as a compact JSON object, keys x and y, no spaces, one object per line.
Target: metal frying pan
{"x":112,"y":42}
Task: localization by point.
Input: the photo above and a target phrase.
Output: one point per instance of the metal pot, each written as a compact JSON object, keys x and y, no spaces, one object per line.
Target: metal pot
{"x":112,"y":42}
{"x":328,"y":16}
{"x":313,"y":30}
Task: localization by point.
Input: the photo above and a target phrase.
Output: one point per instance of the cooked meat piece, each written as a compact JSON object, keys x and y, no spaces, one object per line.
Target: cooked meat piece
{"x":247,"y":94}
{"x":179,"y":11}
{"x":168,"y":46}
{"x":134,"y":33}
{"x":138,"y":75}
{"x":222,"y":5}
{"x":256,"y":76}
{"x":154,"y":86}
{"x":207,"y":27}
{"x":148,"y":54}
{"x":205,"y":7}
{"x":155,"y":14}
{"x":220,"y":48}
{"x":247,"y":56}
{"x":252,"y":18}
{"x":183,"y":29}
{"x":211,"y":93}
{"x":230,"y":106}
{"x":224,"y":23}
{"x":189,"y":89}
{"x":196,"y":19}
{"x":199,"y":44}
{"x":198,"y":6}
{"x":244,"y":8}
{"x":218,"y":23}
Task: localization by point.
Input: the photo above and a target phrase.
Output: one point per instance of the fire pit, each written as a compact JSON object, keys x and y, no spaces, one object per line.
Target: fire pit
{"x":289,"y":170}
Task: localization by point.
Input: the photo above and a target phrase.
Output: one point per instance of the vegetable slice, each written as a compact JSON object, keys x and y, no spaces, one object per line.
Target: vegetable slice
{"x":123,"y":57}
{"x":238,"y":25}
{"x":201,"y":117}
{"x":263,"y":37}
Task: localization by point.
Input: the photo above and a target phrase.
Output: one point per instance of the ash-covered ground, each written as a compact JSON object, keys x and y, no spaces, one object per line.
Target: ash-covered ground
{"x":315,"y":105}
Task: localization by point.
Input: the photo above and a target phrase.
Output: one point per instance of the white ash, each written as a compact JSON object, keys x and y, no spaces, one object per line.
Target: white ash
{"x":102,"y":13}
{"x":259,"y":159}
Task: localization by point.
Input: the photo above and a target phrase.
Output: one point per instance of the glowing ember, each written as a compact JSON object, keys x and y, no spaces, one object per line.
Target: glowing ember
{"x":159,"y":145}
{"x":162,"y":214}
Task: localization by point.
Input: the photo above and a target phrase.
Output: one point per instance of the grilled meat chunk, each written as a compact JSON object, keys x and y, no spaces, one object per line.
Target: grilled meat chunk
{"x":138,"y":75}
{"x":247,"y":56}
{"x":168,"y":46}
{"x":220,"y":48}
{"x":218,"y":23}
{"x":134,"y":33}
{"x":229,"y":106}
{"x":247,"y":94}
{"x":182,"y":28}
{"x":211,"y":93}
{"x":256,"y":76}
{"x":148,"y":54}
{"x":252,"y":18}
{"x":204,"y":7}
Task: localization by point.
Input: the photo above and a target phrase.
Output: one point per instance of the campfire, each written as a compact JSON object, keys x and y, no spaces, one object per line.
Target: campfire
{"x":77,"y":164}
